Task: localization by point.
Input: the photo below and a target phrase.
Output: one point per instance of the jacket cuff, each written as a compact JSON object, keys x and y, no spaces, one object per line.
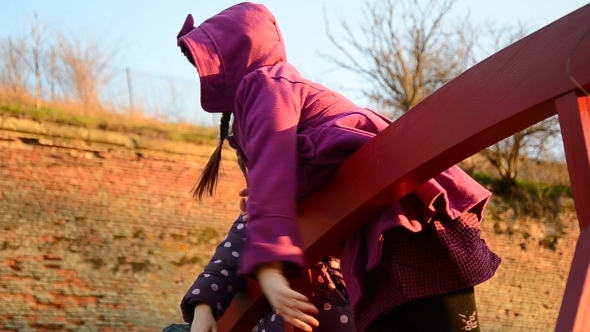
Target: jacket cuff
{"x":283,"y":250}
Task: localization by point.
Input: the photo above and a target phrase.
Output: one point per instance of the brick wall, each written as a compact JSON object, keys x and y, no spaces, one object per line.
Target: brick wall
{"x":102,"y":238}
{"x":526,"y":292}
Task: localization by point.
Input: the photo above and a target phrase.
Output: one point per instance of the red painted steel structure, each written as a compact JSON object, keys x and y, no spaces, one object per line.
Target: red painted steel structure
{"x":515,"y":88}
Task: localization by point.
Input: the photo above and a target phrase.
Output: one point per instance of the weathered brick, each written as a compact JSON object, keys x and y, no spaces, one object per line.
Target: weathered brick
{"x":103,"y":240}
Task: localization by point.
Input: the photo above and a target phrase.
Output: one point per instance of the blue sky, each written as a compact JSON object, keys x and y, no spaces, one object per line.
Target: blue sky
{"x":144,"y":31}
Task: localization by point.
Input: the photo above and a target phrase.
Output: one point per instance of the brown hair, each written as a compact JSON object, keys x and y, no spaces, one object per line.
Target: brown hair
{"x":242,"y":166}
{"x":207,"y":181}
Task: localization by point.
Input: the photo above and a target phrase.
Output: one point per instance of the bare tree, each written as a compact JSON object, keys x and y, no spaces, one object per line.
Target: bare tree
{"x":507,"y":155}
{"x":35,"y":60}
{"x":83,"y":69}
{"x":406,"y":50}
{"x":52,"y":70}
{"x":534,"y":142}
{"x":20,"y":58}
{"x":14,"y":71}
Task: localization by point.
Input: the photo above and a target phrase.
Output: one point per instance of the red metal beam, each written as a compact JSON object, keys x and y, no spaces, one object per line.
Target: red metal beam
{"x":508,"y":92}
{"x":574,"y":119}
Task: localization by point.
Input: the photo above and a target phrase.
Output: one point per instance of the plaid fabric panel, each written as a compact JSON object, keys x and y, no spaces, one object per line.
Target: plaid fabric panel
{"x":447,"y":255}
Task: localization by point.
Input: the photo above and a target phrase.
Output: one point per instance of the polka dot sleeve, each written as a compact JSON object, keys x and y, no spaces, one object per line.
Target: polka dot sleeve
{"x":329,"y":297}
{"x":219,"y":282}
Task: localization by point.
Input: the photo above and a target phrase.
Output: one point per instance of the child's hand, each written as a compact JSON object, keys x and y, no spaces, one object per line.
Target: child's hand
{"x":244,"y":203}
{"x":291,"y":305}
{"x":204,"y":320}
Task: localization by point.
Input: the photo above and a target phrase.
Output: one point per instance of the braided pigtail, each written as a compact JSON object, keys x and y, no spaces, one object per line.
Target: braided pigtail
{"x":242,"y":166}
{"x":207,"y":181}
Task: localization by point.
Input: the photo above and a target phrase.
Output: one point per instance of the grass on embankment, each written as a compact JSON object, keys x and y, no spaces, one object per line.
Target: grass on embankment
{"x":69,"y":114}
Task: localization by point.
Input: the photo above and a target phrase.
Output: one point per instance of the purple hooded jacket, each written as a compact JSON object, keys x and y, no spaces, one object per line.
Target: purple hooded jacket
{"x":293,"y":133}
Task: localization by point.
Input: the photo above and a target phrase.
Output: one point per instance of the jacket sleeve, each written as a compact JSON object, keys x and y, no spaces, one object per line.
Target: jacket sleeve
{"x":267,"y":113}
{"x":219,"y":281}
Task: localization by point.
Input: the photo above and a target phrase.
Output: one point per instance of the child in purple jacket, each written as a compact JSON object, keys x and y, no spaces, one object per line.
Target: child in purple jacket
{"x":216,"y":286}
{"x":413,"y":266}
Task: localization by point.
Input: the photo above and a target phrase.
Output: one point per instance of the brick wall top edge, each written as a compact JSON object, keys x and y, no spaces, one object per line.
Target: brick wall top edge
{"x":96,"y":139}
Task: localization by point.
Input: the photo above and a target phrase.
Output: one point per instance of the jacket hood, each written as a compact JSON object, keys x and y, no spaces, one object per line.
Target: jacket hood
{"x":228,"y":46}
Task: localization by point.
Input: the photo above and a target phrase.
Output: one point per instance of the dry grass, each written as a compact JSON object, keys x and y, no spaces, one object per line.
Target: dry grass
{"x":22,"y":105}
